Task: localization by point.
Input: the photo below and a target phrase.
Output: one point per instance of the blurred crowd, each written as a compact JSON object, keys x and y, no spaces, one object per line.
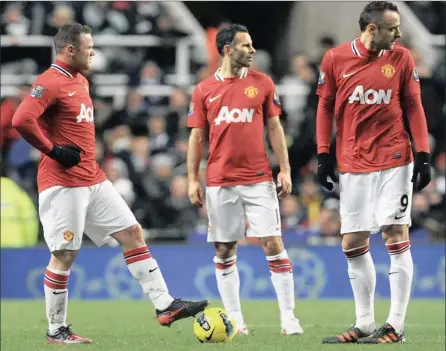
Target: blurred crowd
{"x":142,"y":147}
{"x":104,"y":18}
{"x":431,"y":14}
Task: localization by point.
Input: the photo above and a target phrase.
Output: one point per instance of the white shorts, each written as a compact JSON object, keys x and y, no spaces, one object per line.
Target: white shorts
{"x":66,"y":213}
{"x":229,"y":207}
{"x":372,"y":200}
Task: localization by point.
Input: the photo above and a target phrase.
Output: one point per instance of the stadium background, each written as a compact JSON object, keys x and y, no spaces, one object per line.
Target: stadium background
{"x":148,"y":57}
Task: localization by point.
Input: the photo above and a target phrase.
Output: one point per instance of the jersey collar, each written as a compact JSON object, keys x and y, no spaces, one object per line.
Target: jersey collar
{"x":360,"y":50}
{"x":219,"y":77}
{"x":64,"y":68}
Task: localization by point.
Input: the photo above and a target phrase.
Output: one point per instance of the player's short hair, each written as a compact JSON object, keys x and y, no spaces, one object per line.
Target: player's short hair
{"x":227,"y":35}
{"x":373,"y":13}
{"x":69,"y":34}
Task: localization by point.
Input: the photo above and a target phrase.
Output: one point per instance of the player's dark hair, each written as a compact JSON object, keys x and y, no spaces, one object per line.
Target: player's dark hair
{"x":69,"y":34}
{"x":373,"y":13}
{"x":227,"y":35}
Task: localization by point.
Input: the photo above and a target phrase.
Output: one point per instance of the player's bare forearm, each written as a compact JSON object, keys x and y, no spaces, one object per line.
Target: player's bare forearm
{"x":278,"y":143}
{"x":324,"y":124}
{"x":195,"y":153}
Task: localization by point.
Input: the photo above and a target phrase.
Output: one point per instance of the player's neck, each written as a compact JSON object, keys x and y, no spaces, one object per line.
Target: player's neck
{"x":367,"y":43}
{"x":64,"y":63}
{"x":229,"y":71}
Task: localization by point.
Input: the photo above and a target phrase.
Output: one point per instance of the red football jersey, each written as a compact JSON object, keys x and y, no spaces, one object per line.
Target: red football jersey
{"x":368,"y":88}
{"x":61,"y":97}
{"x":236,"y":110}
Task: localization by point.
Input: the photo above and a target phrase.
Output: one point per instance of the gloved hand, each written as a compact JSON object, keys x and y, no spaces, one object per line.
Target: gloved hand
{"x":422,"y":167}
{"x":67,"y":156}
{"x":326,"y":168}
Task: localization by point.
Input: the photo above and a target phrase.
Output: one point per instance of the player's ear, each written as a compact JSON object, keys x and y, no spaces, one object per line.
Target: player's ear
{"x":372,"y":28}
{"x":70,"y":49}
{"x":227,"y":49}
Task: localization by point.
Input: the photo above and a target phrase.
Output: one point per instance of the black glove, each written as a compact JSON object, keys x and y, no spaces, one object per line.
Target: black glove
{"x":67,"y":156}
{"x":422,"y":167}
{"x":326,"y":168}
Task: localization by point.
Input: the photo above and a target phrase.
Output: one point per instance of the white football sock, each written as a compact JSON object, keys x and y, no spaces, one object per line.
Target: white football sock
{"x":362,"y":274}
{"x":145,"y":270}
{"x":55,"y":285}
{"x":400,"y":277}
{"x":228,"y":283}
{"x":283,"y":282}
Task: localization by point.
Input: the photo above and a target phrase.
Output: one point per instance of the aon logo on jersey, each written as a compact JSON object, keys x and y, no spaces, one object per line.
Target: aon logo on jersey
{"x":235,"y":115}
{"x":370,"y":97}
{"x":85,"y":114}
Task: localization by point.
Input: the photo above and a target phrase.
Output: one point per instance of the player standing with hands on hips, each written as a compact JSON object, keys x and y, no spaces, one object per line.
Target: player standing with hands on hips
{"x":364,"y":84}
{"x":237,"y":103}
{"x":74,"y":194}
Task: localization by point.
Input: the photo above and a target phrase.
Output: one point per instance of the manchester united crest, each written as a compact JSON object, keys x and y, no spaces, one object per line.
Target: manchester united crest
{"x":251,"y":92}
{"x":388,"y":70}
{"x":68,"y":236}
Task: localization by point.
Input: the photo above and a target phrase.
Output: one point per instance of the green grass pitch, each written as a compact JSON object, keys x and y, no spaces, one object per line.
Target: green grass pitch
{"x":122,"y":325}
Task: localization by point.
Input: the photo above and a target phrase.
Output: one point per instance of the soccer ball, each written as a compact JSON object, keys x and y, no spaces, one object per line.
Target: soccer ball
{"x":213,"y":325}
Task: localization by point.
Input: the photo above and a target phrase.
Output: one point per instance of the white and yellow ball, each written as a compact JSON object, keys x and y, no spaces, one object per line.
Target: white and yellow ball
{"x":214,"y":325}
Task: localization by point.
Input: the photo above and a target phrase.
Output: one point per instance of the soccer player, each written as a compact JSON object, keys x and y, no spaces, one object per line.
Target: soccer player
{"x":364,"y":84}
{"x":74,"y":194}
{"x":237,"y":103}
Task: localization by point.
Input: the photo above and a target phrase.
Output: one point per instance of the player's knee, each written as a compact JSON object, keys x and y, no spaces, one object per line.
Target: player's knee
{"x":225,"y":250}
{"x":131,"y":237}
{"x":62,"y":259}
{"x":272,"y":245}
{"x":134,"y":233}
{"x":352,"y":241}
{"x":395,"y":233}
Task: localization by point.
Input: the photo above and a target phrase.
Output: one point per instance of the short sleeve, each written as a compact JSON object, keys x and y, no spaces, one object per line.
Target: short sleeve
{"x":411,"y":80}
{"x":197,"y":110}
{"x":272,"y":106}
{"x":41,"y":96}
{"x":326,"y":85}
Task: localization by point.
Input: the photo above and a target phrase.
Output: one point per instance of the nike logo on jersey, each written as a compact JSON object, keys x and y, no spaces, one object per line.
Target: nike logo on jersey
{"x":211,"y":99}
{"x":71,"y":94}
{"x":396,"y":217}
{"x":153,"y":270}
{"x":348,"y":75}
